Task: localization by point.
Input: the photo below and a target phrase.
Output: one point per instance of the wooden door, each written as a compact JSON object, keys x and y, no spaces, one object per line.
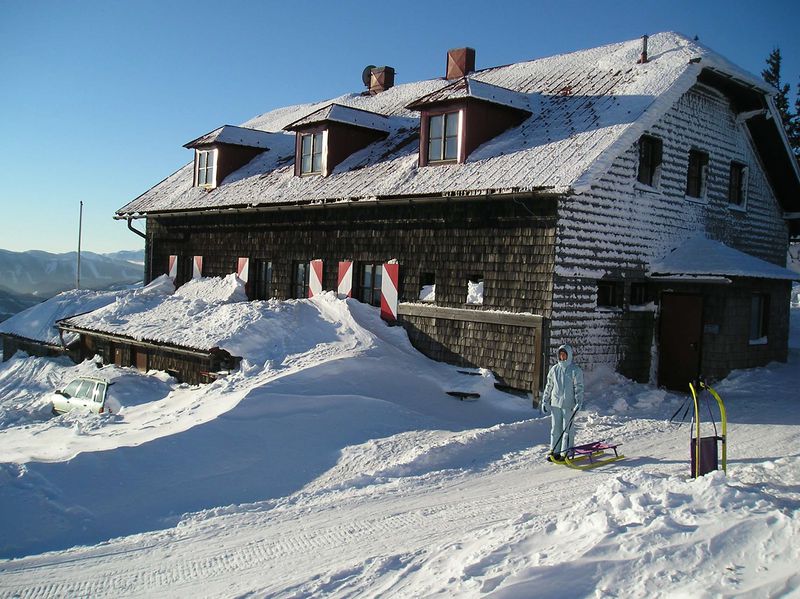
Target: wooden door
{"x":680,"y":338}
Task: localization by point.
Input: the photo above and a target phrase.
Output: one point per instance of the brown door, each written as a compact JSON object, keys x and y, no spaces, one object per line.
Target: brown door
{"x":118,"y":356}
{"x":141,"y":359}
{"x":679,"y":340}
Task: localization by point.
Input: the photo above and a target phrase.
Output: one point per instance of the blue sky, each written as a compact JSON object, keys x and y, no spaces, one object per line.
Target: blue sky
{"x":98,"y":98}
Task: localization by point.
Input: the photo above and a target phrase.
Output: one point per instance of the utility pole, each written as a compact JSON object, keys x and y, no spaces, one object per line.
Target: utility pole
{"x":80,"y":226}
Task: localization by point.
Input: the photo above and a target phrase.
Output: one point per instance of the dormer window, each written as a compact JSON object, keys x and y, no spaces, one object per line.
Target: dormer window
{"x":463,"y":115}
{"x":205,"y":170}
{"x":311,"y":153}
{"x":443,"y":137}
{"x":328,"y":136}
{"x":224,"y":150}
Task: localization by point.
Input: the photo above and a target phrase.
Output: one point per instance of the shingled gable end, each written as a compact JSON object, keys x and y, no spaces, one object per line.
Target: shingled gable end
{"x":588,"y":169}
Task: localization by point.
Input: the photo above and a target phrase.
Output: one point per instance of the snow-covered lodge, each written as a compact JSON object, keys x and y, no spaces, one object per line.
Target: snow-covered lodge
{"x":635,"y":200}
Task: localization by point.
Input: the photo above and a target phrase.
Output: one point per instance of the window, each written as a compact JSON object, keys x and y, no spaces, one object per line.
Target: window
{"x":475,"y":290}
{"x":427,"y":287}
{"x":185,"y":270}
{"x":649,"y":160}
{"x":697,"y":174}
{"x":610,"y":294}
{"x":300,"y":280}
{"x":99,"y":393}
{"x":443,"y":137}
{"x":369,"y":284}
{"x":638,"y":294}
{"x":759,"y":318}
{"x":262,"y":279}
{"x":71,"y":389}
{"x":311,"y":153}
{"x":737,"y":184}
{"x":206,"y":168}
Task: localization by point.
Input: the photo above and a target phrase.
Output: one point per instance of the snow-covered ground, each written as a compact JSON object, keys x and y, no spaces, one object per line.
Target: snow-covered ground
{"x":336,"y":465}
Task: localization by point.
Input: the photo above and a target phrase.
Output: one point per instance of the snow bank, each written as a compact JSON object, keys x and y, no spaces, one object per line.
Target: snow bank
{"x":647,"y":533}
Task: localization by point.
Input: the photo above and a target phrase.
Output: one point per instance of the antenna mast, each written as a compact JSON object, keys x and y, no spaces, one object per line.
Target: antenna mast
{"x":80,"y":226}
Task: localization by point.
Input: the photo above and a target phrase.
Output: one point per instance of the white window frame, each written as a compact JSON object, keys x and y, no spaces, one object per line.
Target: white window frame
{"x":210,"y":182}
{"x":459,"y":114}
{"x":323,"y":142}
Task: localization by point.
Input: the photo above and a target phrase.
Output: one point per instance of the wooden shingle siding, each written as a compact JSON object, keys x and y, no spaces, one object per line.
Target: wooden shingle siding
{"x":509,"y":242}
{"x":620,"y":226}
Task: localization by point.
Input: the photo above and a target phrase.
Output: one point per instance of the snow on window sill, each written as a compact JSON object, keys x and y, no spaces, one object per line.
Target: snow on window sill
{"x":638,"y":185}
{"x":694,"y":200}
{"x":737,"y":208}
{"x":759,"y":341}
{"x":649,"y":307}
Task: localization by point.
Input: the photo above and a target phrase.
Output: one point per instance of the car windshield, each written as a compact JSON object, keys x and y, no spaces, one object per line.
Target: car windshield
{"x":72,"y":388}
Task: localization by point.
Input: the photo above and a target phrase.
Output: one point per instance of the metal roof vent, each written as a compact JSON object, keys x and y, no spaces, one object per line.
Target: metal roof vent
{"x":378,"y":79}
{"x":460,"y":62}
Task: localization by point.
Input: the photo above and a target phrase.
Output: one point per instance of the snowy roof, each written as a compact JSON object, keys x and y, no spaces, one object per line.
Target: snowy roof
{"x":700,"y":257}
{"x":237,"y":136}
{"x":467,"y":87}
{"x":343,"y":114}
{"x":200,"y":315}
{"x":38,"y":322}
{"x":588,"y":107}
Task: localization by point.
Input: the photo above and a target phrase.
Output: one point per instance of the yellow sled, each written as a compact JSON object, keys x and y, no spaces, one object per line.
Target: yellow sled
{"x":592,"y":455}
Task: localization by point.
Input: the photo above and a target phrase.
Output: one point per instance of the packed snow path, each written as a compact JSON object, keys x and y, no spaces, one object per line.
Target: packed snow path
{"x":396,"y":490}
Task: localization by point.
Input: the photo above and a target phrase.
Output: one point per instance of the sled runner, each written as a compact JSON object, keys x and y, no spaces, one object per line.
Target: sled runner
{"x":592,"y":455}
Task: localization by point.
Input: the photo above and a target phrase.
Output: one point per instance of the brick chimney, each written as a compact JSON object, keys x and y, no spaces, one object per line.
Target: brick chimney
{"x":380,"y":79}
{"x":460,"y":62}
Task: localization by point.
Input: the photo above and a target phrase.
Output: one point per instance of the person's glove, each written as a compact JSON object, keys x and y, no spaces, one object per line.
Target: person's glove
{"x":544,"y":407}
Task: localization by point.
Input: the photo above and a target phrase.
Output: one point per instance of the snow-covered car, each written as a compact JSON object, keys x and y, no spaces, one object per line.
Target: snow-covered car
{"x":85,"y":393}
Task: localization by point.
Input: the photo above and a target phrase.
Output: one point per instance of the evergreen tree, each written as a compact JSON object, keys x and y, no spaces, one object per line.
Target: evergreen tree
{"x":794,"y":125}
{"x":790,"y":119}
{"x":772,"y":75}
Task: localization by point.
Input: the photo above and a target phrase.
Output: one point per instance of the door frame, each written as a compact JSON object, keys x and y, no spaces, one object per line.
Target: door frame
{"x":686,"y":294}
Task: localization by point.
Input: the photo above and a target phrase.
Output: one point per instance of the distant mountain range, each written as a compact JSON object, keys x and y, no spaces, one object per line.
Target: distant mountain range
{"x":30,"y":277}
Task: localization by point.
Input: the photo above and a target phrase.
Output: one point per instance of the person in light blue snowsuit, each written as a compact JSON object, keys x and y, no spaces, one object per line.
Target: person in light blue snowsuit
{"x":562,"y":398}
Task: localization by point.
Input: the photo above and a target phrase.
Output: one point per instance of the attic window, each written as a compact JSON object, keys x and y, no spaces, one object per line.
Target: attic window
{"x":610,"y":294}
{"x":737,"y":184}
{"x":205,"y":169}
{"x":443,"y":137}
{"x":311,"y":153}
{"x":697,"y":174}
{"x":649,"y":160}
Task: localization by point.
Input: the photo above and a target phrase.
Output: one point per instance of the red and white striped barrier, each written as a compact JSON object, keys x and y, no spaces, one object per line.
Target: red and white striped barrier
{"x":243,"y":269}
{"x":172,"y":269}
{"x":345,"y":280}
{"x":389,"y":295}
{"x":197,"y":267}
{"x":315,"y":278}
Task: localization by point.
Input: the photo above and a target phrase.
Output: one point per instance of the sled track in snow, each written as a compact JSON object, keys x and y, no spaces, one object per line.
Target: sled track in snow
{"x":252,"y":545}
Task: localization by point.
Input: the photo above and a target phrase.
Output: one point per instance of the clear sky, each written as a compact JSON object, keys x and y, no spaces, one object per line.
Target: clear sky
{"x":97,"y":98}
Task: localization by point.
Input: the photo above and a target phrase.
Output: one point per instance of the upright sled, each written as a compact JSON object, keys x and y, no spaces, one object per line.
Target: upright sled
{"x":703,"y":450}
